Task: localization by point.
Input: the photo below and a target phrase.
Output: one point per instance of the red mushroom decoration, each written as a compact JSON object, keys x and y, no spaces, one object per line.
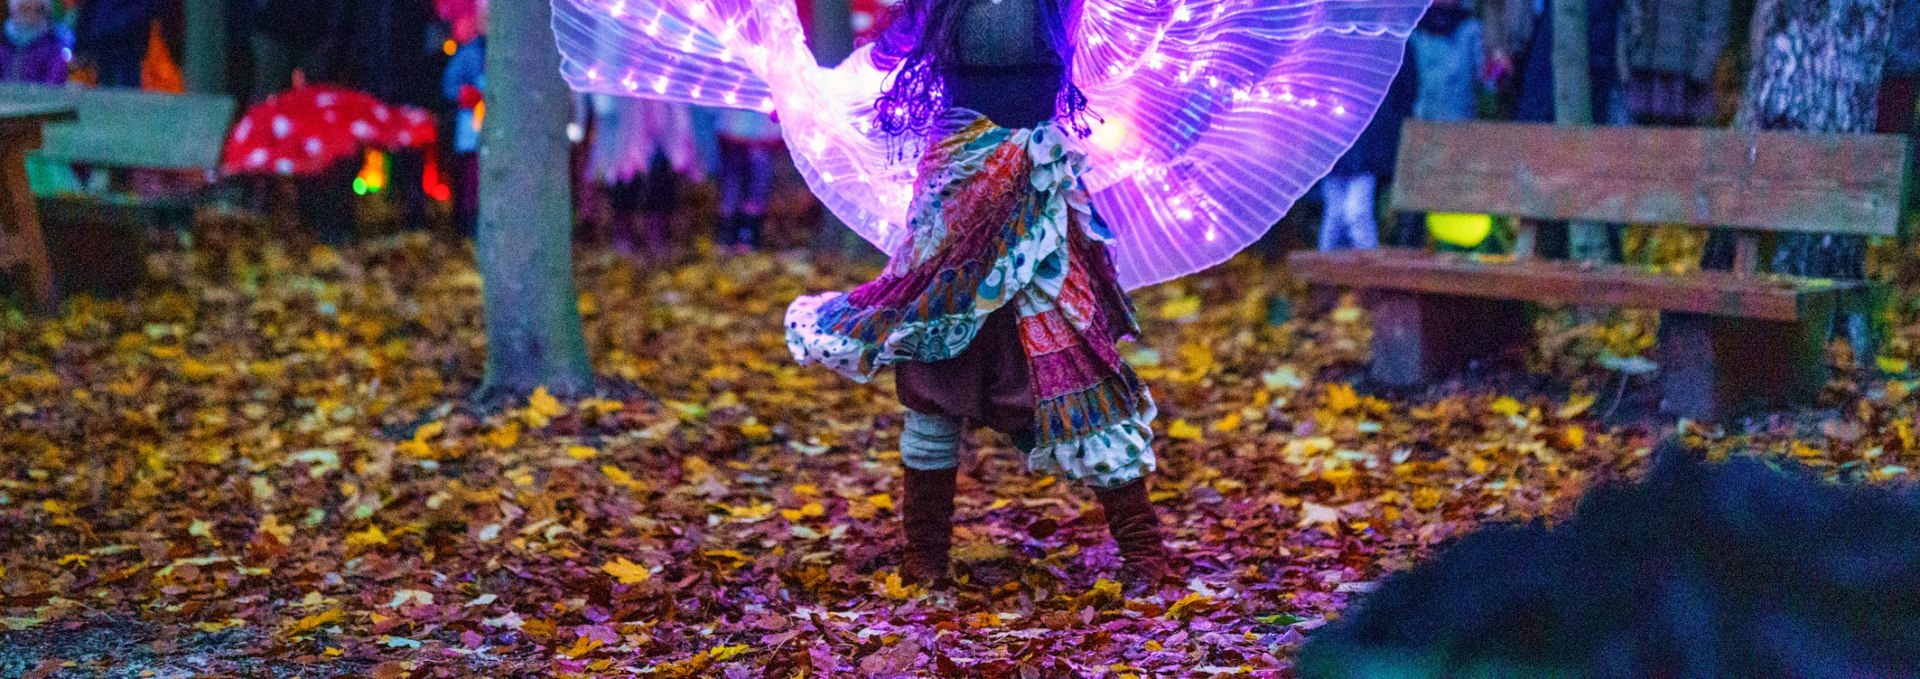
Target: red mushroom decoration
{"x":306,"y":130}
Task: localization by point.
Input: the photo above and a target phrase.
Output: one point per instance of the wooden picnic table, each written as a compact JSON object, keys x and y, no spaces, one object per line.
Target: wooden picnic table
{"x":21,"y":243}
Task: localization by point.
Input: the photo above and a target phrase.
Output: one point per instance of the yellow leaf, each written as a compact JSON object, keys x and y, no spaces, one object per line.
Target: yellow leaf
{"x":601,"y":406}
{"x":725,"y":653}
{"x":1506,"y":405}
{"x":1180,"y":308}
{"x":371,"y":537}
{"x":1426,"y":498}
{"x":1892,"y":365}
{"x":1182,"y":430}
{"x":1574,"y":437}
{"x":1341,"y":398}
{"x":218,"y":625}
{"x":542,"y":407}
{"x":1575,"y":406}
{"x":314,"y":622}
{"x":504,"y":436}
{"x":892,"y":587}
{"x":880,"y":501}
{"x":581,"y":452}
{"x":757,"y":432}
{"x":1194,"y":603}
{"x":621,"y":478}
{"x":582,"y":646}
{"x":429,"y":431}
{"x":627,"y":572}
{"x":752,"y":512}
{"x":1227,"y":424}
{"x":270,"y":525}
{"x":726,"y":559}
{"x":807,"y":511}
{"x":76,"y":558}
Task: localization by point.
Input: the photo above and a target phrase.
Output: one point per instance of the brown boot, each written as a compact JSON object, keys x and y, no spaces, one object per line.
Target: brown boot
{"x":1145,"y":563}
{"x":926,"y":514}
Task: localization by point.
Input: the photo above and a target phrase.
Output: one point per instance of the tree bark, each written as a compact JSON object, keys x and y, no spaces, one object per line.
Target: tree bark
{"x":534,"y":338}
{"x":1816,"y":68}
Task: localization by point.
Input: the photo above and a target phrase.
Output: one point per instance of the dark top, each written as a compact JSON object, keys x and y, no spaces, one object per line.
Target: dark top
{"x":1008,"y":71}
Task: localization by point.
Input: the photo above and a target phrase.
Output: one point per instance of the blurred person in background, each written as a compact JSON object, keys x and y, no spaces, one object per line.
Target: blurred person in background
{"x":642,"y":149}
{"x":36,"y":49}
{"x":1672,"y":50}
{"x":464,"y":83}
{"x":1351,"y":190}
{"x":112,"y":36}
{"x":749,"y":143}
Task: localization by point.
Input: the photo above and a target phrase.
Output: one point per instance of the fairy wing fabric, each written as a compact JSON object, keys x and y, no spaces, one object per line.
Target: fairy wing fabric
{"x":750,"y":54}
{"x":1215,"y":115}
{"x":1219,"y":114}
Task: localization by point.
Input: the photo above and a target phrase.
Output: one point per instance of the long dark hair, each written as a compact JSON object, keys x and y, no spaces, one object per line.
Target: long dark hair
{"x":922,"y":44}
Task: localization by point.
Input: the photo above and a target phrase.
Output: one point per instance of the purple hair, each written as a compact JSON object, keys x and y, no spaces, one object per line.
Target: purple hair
{"x":921,"y":45}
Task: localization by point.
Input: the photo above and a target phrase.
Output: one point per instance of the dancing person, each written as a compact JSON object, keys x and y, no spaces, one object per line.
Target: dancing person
{"x":1025,"y":163}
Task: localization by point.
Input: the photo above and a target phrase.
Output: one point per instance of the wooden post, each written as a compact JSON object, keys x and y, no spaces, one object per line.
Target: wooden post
{"x":1714,"y":368}
{"x":1418,"y":338}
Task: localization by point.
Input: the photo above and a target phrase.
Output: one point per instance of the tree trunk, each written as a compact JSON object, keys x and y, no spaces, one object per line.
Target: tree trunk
{"x":205,"y":62}
{"x":1816,"y":68}
{"x":534,"y":337}
{"x":1573,"y":105}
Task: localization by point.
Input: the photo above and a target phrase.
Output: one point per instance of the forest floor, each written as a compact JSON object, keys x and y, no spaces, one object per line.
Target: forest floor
{"x":259,"y":466}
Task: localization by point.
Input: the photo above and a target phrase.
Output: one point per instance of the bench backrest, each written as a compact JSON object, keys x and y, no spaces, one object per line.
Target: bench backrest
{"x":131,"y":128}
{"x":1757,"y":181}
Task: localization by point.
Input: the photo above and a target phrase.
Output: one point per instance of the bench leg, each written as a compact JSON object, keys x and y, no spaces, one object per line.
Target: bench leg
{"x":1420,"y":338}
{"x":1717,"y":368}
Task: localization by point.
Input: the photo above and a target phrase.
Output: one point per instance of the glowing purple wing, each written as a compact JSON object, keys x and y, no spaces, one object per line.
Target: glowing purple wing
{"x":1219,"y":114}
{"x":749,"y":54}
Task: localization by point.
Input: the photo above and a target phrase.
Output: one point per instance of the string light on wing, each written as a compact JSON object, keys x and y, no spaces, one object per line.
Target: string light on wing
{"x":1234,"y":107}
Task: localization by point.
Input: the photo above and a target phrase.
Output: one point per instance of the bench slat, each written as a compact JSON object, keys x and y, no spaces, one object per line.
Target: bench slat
{"x":1711,"y":293}
{"x":131,"y":128}
{"x":1762,"y":181}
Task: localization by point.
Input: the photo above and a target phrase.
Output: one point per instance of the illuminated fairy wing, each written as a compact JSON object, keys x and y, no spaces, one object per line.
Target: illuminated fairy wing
{"x":1219,"y":114}
{"x":749,"y":54}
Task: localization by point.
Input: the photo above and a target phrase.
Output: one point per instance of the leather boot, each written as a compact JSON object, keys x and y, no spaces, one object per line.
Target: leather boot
{"x":1145,"y":562}
{"x":926,"y":514}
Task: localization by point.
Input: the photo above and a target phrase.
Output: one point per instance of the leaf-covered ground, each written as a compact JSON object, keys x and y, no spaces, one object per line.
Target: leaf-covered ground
{"x":260,"y":467}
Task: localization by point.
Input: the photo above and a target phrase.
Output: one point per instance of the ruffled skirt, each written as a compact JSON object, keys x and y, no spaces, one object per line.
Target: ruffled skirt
{"x":999,"y":222}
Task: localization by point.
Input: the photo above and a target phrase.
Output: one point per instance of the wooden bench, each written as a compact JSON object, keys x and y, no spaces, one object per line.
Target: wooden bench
{"x":97,"y":242}
{"x":1729,"y":342}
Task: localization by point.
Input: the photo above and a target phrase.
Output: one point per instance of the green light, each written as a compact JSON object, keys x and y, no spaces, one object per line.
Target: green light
{"x":359,"y":186}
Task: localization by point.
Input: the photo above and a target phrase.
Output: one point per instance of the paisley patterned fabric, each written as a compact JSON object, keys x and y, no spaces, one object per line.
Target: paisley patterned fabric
{"x":1000,"y":217}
